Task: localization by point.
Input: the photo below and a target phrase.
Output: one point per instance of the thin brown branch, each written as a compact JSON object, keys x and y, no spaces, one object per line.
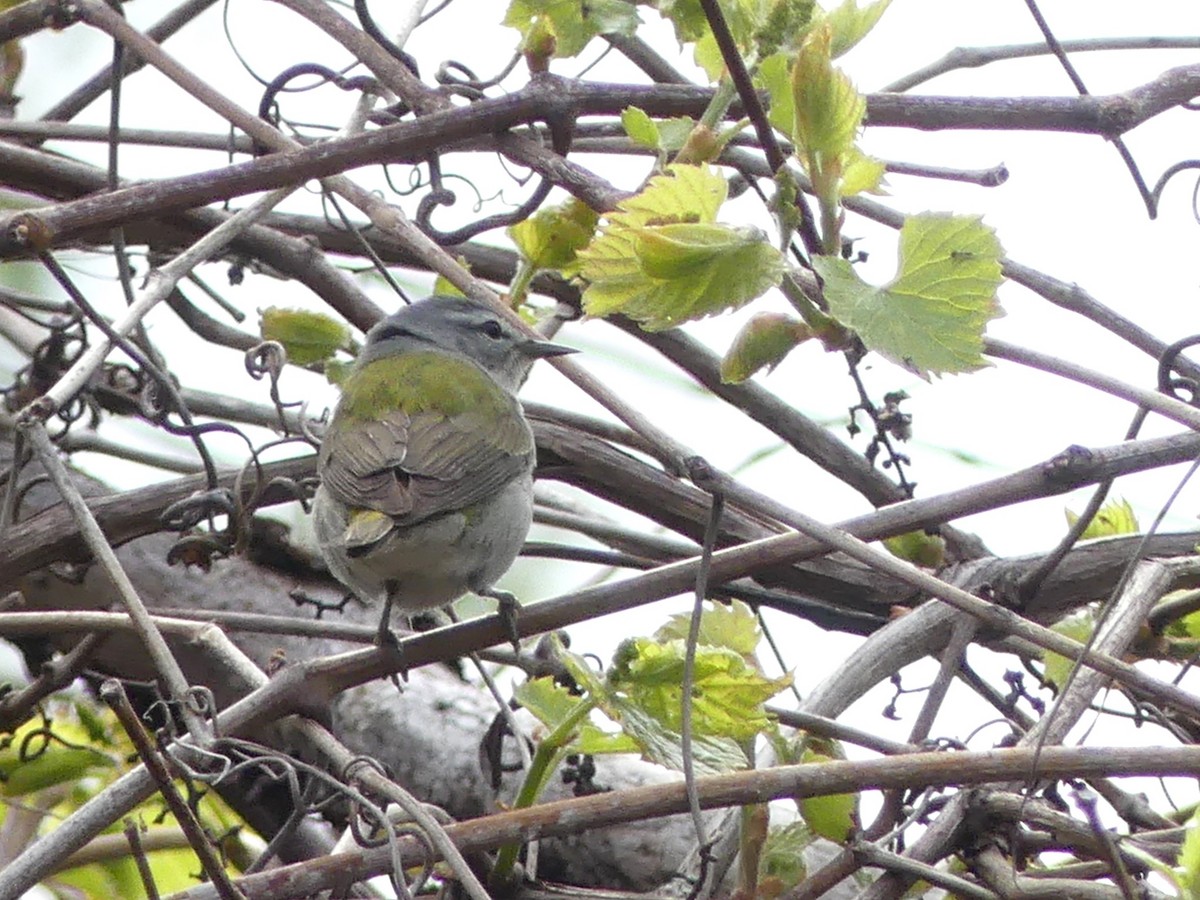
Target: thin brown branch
{"x":150,"y":137}
{"x":134,"y":840}
{"x":114,"y":695}
{"x":56,"y":674}
{"x":975,"y":57}
{"x":814,"y":779}
{"x":31,"y":17}
{"x":110,"y":847}
{"x":548,"y":96}
{"x":166,"y":667}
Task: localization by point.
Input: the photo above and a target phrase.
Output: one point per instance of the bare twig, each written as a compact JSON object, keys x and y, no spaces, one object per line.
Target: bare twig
{"x":974,"y":57}
{"x":114,"y":695}
{"x":813,"y":779}
{"x":165,"y":665}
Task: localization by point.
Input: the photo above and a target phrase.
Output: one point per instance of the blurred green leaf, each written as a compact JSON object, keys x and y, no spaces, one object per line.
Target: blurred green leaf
{"x":828,"y":109}
{"x":1113,"y":518}
{"x":55,"y":764}
{"x":849,"y":24}
{"x":774,"y":75}
{"x":785,"y":20}
{"x":308,"y":337}
{"x":832,"y":816}
{"x":444,"y":287}
{"x":782,"y":860}
{"x":712,"y":754}
{"x":61,"y":749}
{"x":572,"y":23}
{"x":763,"y":342}
{"x":336,"y":371}
{"x":596,"y":742}
{"x":727,"y":696}
{"x":640,"y":128}
{"x":733,"y":626}
{"x":687,"y":16}
{"x":861,"y":174}
{"x":552,"y":236}
{"x":1188,"y":860}
{"x":548,"y":701}
{"x":1078,"y":627}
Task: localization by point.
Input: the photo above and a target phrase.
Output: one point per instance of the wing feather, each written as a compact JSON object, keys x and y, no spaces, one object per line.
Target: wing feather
{"x":416,"y":466}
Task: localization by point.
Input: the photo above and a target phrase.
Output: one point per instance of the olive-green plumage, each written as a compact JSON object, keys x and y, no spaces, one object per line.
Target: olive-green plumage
{"x":427,"y":466}
{"x":417,"y":382}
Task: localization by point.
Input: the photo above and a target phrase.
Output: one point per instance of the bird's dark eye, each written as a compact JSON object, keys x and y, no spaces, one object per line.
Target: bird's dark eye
{"x":492,"y":329}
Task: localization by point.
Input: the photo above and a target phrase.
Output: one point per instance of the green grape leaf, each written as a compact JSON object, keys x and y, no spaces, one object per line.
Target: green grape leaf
{"x":552,"y":236}
{"x":1186,"y":625}
{"x":1188,"y":860}
{"x":763,"y":342}
{"x":728,"y":693}
{"x":572,"y":23}
{"x":308,"y":337}
{"x":861,"y":174}
{"x":707,"y":55}
{"x":682,"y":194}
{"x":1113,"y":518}
{"x":782,"y":859}
{"x":662,"y":259}
{"x":744,"y":18}
{"x":832,"y":816}
{"x":674,"y":133}
{"x":673,"y":251}
{"x":919,"y":548}
{"x":595,"y":741}
{"x":31,"y":763}
{"x":546,"y":700}
{"x":444,"y":287}
{"x":56,"y":765}
{"x":849,"y":24}
{"x":1080,"y":627}
{"x":687,"y":16}
{"x":711,"y":754}
{"x":828,"y":109}
{"x":931,"y":317}
{"x":733,"y":626}
{"x":640,"y":128}
{"x":666,"y":135}
{"x":784,"y":21}
{"x":774,"y":75}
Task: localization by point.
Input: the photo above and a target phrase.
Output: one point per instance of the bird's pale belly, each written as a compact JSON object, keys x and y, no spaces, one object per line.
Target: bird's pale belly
{"x":433,"y":562}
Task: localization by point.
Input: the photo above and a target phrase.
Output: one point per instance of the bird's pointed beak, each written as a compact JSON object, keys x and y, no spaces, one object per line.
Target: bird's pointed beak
{"x":545,"y":349}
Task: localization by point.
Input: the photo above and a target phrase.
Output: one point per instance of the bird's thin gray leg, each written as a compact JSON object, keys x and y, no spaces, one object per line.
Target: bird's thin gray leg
{"x":509,"y":611}
{"x":385,"y":637}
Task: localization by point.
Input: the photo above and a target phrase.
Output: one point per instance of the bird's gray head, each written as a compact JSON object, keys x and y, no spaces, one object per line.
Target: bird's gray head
{"x":464,"y":327}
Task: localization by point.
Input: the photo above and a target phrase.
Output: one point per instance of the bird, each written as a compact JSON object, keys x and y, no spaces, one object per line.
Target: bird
{"x":426,"y":467}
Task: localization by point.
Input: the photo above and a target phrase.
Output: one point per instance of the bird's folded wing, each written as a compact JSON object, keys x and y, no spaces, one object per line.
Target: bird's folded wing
{"x":414,"y":467}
